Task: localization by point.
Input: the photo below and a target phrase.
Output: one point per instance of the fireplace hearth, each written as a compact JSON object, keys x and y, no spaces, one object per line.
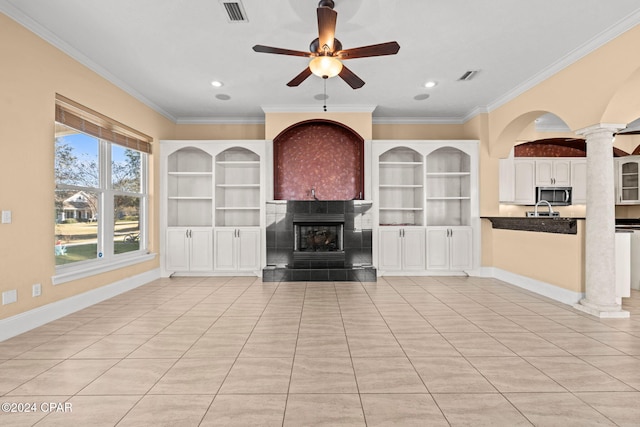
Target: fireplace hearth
{"x":319,"y":241}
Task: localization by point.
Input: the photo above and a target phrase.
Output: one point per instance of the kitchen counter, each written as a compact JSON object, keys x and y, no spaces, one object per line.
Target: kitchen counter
{"x":558,"y":225}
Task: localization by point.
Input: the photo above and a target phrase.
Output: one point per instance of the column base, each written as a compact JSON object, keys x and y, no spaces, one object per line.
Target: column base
{"x":601,"y":311}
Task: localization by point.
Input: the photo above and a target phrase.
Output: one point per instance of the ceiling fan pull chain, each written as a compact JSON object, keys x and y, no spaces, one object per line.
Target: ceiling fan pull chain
{"x":325,"y":95}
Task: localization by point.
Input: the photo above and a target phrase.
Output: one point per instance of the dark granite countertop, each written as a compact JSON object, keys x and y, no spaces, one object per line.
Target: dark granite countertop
{"x":558,"y":225}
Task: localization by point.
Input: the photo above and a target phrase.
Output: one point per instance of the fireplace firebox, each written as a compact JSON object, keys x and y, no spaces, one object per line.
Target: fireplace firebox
{"x":318,"y":240}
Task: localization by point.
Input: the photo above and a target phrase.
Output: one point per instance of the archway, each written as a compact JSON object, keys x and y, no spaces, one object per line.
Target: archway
{"x":318,"y":159}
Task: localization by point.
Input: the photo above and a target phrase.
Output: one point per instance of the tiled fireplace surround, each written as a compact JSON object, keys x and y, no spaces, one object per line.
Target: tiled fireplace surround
{"x":319,"y":159}
{"x":284,"y":265}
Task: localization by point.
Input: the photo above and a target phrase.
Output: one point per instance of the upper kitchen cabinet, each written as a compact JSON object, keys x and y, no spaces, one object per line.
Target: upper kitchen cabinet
{"x":553,"y":172}
{"x":520,"y":176}
{"x":628,"y":184}
{"x":400,"y":187}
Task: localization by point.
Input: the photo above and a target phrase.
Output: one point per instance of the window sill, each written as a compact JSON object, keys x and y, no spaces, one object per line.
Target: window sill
{"x":68,"y":274}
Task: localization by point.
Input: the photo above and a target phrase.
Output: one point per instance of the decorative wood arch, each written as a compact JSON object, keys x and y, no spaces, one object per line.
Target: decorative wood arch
{"x":320,"y":158}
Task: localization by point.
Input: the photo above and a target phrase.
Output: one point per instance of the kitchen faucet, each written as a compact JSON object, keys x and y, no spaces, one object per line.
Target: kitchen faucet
{"x":535,"y":211}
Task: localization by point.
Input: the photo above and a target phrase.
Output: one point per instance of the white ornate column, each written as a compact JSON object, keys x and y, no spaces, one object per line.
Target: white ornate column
{"x":600,"y":281}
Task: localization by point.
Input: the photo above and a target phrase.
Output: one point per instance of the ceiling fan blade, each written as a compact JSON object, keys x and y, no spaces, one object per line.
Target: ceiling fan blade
{"x":300,"y":77}
{"x":389,"y":48}
{"x":326,"y":28}
{"x":280,"y":51}
{"x":350,"y":78}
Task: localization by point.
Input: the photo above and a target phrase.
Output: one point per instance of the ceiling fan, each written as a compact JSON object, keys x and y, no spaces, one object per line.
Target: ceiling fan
{"x":326,"y":51}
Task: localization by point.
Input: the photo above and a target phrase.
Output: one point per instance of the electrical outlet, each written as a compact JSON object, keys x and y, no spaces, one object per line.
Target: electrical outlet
{"x":6,"y":217}
{"x":9,"y":297}
{"x":36,"y":290}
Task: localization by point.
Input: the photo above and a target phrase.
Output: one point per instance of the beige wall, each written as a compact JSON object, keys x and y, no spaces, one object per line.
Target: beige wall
{"x":32,"y":72}
{"x":360,"y":123}
{"x":219,"y":131}
{"x":557,"y":259}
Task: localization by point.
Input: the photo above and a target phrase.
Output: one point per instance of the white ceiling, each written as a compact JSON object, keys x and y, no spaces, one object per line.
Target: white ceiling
{"x":166,"y":53}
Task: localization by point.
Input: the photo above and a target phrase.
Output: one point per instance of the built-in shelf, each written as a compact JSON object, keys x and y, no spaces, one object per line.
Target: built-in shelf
{"x":237,"y":188}
{"x":401,"y":187}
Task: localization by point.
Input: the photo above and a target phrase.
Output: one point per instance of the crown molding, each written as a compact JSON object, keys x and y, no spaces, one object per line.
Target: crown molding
{"x":317,"y":108}
{"x":417,"y":121}
{"x":220,"y":120}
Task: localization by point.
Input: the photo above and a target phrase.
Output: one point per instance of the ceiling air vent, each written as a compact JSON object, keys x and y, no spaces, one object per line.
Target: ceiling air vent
{"x":235,"y":11}
{"x":468,"y":75}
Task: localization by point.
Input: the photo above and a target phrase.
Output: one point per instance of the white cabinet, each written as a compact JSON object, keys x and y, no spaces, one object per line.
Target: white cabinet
{"x":628,"y":182}
{"x":520,"y":176}
{"x":524,"y":181}
{"x":237,"y":249}
{"x":449,"y":248}
{"x":189,"y":249}
{"x":553,"y":173}
{"x":420,"y":186}
{"x":579,"y":181}
{"x":401,"y":249}
{"x":211,"y":185}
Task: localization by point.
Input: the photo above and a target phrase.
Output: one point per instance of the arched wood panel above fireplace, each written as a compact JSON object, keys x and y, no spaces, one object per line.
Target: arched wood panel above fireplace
{"x":318,"y":159}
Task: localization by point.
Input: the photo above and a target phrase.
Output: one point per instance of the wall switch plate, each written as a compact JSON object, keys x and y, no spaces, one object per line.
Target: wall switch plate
{"x":6,"y":217}
{"x":9,"y":297}
{"x":36,"y":290}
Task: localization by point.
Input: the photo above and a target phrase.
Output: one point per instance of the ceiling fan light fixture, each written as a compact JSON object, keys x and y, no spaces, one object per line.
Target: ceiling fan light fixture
{"x":325,"y":66}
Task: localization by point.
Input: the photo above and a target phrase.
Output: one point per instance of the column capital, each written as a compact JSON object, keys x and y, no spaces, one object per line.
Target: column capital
{"x":601,"y":127}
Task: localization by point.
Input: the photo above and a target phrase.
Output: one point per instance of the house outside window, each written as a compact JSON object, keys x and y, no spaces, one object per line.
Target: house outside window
{"x":100,"y":195}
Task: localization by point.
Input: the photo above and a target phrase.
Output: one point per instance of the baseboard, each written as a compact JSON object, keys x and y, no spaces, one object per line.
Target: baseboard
{"x":23,"y":322}
{"x":548,"y":290}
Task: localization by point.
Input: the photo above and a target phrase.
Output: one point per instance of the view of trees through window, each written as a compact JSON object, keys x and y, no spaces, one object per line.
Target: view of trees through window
{"x":98,"y":199}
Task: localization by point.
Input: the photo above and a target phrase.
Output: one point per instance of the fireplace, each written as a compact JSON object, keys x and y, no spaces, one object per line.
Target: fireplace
{"x":319,"y":241}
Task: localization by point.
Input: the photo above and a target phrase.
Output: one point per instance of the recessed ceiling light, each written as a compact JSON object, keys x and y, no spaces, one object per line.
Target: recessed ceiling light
{"x":216,"y":83}
{"x":430,"y":84}
{"x":421,"y":97}
{"x":223,"y":97}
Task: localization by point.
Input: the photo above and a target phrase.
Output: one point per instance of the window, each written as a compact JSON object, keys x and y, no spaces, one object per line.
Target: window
{"x":101,"y":191}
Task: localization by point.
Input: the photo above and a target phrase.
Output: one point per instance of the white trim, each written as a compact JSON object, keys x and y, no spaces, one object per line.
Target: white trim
{"x":23,"y":322}
{"x":92,"y":268}
{"x":317,"y":108}
{"x":548,"y":290}
{"x":418,"y":120}
{"x":220,"y":120}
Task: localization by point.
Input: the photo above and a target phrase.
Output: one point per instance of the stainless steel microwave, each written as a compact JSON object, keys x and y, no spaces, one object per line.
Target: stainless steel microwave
{"x":557,"y":196}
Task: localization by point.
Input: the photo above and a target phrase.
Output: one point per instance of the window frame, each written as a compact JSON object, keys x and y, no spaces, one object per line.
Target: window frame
{"x":106,"y":259}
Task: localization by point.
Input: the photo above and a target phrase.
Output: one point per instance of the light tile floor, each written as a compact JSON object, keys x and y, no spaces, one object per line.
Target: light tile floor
{"x":403,"y":351}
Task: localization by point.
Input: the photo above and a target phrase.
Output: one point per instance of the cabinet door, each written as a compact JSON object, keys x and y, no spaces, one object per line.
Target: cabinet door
{"x":413,"y":246}
{"x":201,"y":242}
{"x":579,"y":181}
{"x":248,"y":243}
{"x":628,"y":181}
{"x":177,"y":250}
{"x":460,"y":248}
{"x":224,"y":252}
{"x":390,"y":252}
{"x":437,"y":248}
{"x":507,"y":185}
{"x":525,"y":173}
{"x":544,"y":173}
{"x":561,"y":173}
